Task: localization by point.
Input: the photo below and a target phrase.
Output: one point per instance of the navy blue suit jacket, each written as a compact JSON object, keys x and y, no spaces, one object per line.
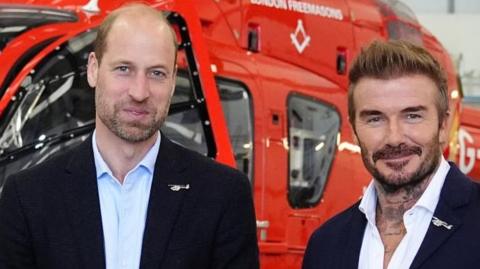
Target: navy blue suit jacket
{"x":337,"y":243}
{"x":50,"y":215}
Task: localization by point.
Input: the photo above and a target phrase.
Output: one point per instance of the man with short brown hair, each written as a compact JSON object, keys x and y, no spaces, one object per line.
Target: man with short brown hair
{"x":419,"y":211}
{"x":128,"y":197}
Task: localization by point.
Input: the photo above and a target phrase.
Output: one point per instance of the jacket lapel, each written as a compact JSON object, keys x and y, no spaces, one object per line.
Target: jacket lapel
{"x":354,"y":238}
{"x":164,"y":205}
{"x":83,"y":206}
{"x":449,"y":211}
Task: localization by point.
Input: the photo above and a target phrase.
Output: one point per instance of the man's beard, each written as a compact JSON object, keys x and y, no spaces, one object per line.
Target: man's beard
{"x":129,"y":131}
{"x":399,"y":179}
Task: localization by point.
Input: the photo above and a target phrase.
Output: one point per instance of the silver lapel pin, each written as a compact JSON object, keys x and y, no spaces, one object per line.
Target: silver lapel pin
{"x":437,"y":222}
{"x":175,"y":187}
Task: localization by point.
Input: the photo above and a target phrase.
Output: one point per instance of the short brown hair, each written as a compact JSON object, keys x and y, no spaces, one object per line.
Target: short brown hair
{"x":393,"y":59}
{"x":100,"y":43}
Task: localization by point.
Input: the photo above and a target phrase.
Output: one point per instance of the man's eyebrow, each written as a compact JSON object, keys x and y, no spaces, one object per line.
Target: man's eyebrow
{"x":126,"y":62}
{"x":159,"y":66}
{"x":366,"y":113}
{"x":414,"y":109}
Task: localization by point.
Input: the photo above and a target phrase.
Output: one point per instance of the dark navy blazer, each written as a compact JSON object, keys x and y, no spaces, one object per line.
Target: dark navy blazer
{"x":50,"y":215}
{"x":337,"y":243}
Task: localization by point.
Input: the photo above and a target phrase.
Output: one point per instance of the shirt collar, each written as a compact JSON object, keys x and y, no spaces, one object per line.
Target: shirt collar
{"x":369,"y":202}
{"x":428,"y":200}
{"x":430,"y":197}
{"x":148,"y":161}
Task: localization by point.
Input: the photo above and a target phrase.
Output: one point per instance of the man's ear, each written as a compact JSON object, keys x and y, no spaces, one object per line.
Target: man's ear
{"x":355,"y":138}
{"x":354,"y":133}
{"x":92,"y":70}
{"x":444,"y":127}
{"x":174,"y":80}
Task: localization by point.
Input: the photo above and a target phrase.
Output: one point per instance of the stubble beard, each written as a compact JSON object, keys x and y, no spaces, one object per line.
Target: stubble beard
{"x":399,"y":178}
{"x":132,"y":132}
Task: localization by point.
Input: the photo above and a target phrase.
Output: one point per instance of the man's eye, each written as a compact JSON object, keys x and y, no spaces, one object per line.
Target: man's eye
{"x":374,"y":119}
{"x":122,"y":68}
{"x":157,"y":74}
{"x":413,"y":117}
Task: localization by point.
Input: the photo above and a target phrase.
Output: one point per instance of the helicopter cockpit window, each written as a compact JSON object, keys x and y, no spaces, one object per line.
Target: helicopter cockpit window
{"x":313,"y":128}
{"x":237,"y":108}
{"x":184,"y":123}
{"x":16,"y":19}
{"x":54,"y":106}
{"x":55,"y":97}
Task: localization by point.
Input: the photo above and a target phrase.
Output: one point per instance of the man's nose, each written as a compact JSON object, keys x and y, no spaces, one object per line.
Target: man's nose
{"x":139,"y":89}
{"x":395,"y":133}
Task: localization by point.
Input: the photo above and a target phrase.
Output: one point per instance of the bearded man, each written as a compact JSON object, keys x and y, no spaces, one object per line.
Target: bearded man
{"x":419,"y":211}
{"x":128,"y":197}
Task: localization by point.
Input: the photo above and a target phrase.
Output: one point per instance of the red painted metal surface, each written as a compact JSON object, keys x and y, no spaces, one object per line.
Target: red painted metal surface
{"x":469,"y":142}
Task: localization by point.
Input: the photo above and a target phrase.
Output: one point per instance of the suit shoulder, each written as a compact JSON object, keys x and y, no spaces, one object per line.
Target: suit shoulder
{"x":324,"y":244}
{"x":335,"y":225}
{"x":198,"y":162}
{"x":47,"y":170}
{"x":57,"y":161}
{"x":213,"y":181}
{"x":476,"y":192}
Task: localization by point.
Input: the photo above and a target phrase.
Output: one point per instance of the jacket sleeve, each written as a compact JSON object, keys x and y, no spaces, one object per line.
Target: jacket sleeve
{"x":236,"y":241}
{"x":16,"y":249}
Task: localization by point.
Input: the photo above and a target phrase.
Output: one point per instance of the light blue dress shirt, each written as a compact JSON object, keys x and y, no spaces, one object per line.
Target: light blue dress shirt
{"x":124,"y":208}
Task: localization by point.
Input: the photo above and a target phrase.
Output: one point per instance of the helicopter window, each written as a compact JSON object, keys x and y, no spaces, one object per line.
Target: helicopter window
{"x":54,"y":106}
{"x":8,"y":33}
{"x":53,"y":100}
{"x":236,"y":104}
{"x":313,"y":128}
{"x":55,"y":97}
{"x":184,"y":122}
{"x":16,"y":19}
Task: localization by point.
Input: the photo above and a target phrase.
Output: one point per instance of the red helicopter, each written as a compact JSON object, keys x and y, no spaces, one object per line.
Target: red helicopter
{"x":262,"y":86}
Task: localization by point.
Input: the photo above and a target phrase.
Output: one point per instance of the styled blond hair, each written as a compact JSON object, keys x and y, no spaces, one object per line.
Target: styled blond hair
{"x":392,"y":59}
